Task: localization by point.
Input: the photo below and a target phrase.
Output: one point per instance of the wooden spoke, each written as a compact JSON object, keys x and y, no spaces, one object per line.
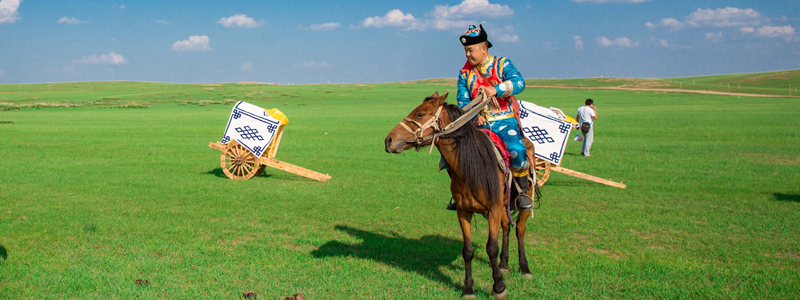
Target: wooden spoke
{"x":238,"y":163}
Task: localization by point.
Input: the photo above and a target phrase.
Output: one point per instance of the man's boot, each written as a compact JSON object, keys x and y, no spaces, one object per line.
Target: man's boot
{"x":522,"y":202}
{"x":452,"y":205}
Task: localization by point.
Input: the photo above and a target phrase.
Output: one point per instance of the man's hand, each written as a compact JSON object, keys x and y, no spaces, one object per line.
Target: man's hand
{"x":480,"y":121}
{"x":490,"y":91}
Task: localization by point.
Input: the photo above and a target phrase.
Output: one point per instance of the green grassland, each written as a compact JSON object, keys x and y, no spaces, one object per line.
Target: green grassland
{"x":95,"y":196}
{"x":767,"y":83}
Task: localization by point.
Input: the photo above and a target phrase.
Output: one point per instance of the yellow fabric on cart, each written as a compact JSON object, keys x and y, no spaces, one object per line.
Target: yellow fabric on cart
{"x":570,"y":119}
{"x":278,"y":115}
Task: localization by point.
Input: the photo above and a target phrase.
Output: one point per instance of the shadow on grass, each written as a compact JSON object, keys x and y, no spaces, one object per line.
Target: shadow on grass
{"x":424,"y":256}
{"x":786,"y":197}
{"x":581,"y":183}
{"x":219,"y":173}
{"x":3,"y":253}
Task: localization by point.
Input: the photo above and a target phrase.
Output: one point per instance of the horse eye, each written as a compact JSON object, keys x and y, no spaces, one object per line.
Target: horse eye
{"x":420,"y":115}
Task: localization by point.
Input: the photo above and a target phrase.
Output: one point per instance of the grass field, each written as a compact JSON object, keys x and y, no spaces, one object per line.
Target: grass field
{"x":783,"y":83}
{"x":95,"y":197}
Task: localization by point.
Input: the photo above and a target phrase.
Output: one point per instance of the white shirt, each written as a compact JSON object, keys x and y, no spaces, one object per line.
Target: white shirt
{"x":585,"y":114}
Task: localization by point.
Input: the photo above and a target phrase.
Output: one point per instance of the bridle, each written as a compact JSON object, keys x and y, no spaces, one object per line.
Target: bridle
{"x":435,"y":122}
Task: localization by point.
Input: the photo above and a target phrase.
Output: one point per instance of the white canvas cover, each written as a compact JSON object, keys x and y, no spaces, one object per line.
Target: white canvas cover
{"x":250,"y":126}
{"x":545,"y":130}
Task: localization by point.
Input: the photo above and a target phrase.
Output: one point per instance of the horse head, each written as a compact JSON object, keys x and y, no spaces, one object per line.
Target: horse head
{"x":418,"y":128}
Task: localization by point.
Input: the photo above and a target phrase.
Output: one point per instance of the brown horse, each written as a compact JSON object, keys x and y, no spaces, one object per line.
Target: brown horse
{"x":476,"y":181}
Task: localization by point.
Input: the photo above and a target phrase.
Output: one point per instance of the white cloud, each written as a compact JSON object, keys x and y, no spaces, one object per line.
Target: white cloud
{"x":447,"y":24}
{"x":107,"y":59}
{"x":471,"y":8}
{"x":247,"y":67}
{"x":194,"y":43}
{"x":443,"y":17}
{"x":322,"y":27}
{"x":314,"y":64}
{"x":775,"y":31}
{"x":393,"y":18}
{"x":8,"y":11}
{"x":671,"y":23}
{"x":162,"y":22}
{"x":240,"y":20}
{"x":721,"y":17}
{"x":618,"y":42}
{"x":506,"y":34}
{"x":724,"y":17}
{"x":747,"y":29}
{"x":578,"y":42}
{"x":122,"y":6}
{"x":72,"y":20}
{"x":714,"y":37}
{"x":663,"y":43}
{"x":609,"y":1}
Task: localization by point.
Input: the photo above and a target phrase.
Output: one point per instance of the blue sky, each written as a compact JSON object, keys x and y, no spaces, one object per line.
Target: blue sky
{"x":296,"y":42}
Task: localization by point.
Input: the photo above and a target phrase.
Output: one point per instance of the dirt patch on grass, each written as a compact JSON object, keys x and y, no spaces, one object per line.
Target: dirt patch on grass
{"x":783,"y":255}
{"x":604,"y":252}
{"x":211,"y":84}
{"x":774,"y":159}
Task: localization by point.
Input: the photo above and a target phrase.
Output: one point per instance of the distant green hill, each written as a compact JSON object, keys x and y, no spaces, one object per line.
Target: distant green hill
{"x":778,"y":79}
{"x":767,"y":83}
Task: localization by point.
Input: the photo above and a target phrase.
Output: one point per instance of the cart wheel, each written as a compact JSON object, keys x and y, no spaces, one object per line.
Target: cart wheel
{"x":542,"y":171}
{"x":541,"y":167}
{"x":238,"y":163}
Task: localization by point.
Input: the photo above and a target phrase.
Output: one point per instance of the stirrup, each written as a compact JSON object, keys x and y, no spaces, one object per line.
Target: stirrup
{"x":452,"y":205}
{"x":522,"y":203}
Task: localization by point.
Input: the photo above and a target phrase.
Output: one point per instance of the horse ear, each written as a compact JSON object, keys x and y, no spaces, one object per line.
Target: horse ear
{"x":435,"y":95}
{"x":445,"y":96}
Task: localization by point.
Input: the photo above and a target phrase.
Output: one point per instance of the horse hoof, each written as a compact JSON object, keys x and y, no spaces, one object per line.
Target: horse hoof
{"x":501,"y":296}
{"x":527,"y":275}
{"x":468,"y":296}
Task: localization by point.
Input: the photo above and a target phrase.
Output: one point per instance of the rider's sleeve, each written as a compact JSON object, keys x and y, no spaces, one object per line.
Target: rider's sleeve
{"x":463,"y":92}
{"x":513,"y":83}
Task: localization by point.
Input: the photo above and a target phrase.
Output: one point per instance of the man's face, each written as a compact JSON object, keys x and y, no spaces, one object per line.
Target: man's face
{"x":476,"y":53}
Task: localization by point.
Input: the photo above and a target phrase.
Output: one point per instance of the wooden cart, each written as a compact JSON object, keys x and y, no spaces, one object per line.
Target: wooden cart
{"x":543,"y":168}
{"x":238,"y":163}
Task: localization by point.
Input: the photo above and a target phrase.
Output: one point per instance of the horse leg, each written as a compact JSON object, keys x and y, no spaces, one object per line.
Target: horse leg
{"x":499,"y":288}
{"x":504,"y":248}
{"x":464,"y":219}
{"x":523,"y":261}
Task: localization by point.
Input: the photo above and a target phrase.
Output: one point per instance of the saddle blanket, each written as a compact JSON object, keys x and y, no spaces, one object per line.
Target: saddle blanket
{"x":250,"y":126}
{"x":498,"y":143}
{"x":545,"y":129}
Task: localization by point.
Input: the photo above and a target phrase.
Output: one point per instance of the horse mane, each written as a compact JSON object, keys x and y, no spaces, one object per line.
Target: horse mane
{"x":475,"y":153}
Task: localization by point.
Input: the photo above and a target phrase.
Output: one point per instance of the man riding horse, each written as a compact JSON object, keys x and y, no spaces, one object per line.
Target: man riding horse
{"x":495,"y":77}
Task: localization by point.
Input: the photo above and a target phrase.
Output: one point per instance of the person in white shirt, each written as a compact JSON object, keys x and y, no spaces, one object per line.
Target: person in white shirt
{"x":586,"y":116}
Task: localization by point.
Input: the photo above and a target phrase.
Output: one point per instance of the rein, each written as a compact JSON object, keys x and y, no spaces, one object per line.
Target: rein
{"x":474,"y":107}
